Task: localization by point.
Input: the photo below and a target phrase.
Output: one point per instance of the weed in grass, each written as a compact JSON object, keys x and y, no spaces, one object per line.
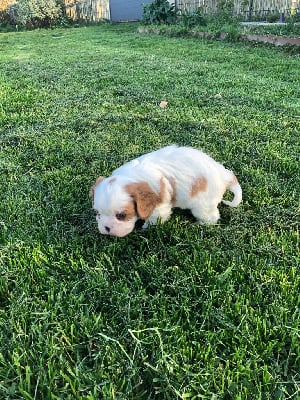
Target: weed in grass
{"x":179,"y":310}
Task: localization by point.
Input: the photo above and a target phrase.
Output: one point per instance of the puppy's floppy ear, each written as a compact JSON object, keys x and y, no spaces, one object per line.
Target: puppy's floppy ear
{"x":92,"y":189}
{"x":145,"y":198}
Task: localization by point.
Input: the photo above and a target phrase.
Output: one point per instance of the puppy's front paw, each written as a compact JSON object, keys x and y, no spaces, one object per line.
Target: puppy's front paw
{"x":150,"y":221}
{"x":153,"y":220}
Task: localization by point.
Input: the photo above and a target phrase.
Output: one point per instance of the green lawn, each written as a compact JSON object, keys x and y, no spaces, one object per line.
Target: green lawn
{"x":179,"y":311}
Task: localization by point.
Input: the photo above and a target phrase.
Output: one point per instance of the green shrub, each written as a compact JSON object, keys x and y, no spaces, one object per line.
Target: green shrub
{"x":35,"y":13}
{"x":4,"y":20}
{"x":274,"y":17}
{"x":189,"y":20}
{"x":222,"y":22}
{"x":232,"y":32}
{"x":159,"y":12}
{"x":294,"y":18}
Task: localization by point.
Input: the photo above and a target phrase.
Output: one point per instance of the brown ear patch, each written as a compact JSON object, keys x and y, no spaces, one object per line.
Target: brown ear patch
{"x":199,"y":185}
{"x":92,"y":189}
{"x":129,"y":211}
{"x":145,"y":198}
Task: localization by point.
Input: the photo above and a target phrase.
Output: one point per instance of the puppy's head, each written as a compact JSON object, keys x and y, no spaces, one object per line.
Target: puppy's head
{"x":119,"y":204}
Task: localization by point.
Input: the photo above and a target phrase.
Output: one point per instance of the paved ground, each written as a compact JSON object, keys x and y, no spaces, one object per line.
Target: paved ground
{"x":255,"y":23}
{"x":263,"y":23}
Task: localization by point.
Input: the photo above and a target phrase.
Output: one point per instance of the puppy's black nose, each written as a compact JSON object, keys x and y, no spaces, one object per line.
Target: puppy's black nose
{"x":107,"y":228}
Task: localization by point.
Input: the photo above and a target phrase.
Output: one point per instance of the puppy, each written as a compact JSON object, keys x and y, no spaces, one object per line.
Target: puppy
{"x":148,"y":187}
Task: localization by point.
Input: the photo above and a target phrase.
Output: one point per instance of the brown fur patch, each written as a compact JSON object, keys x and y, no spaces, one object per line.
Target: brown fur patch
{"x":145,"y":198}
{"x":234,"y":181}
{"x":173,"y":186}
{"x":92,"y":189}
{"x":163,"y":189}
{"x":129,"y":211}
{"x":199,"y":185}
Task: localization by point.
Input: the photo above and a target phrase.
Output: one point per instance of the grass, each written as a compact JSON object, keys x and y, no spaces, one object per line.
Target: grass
{"x":177,"y":311}
{"x":289,"y":29}
{"x":231,"y":29}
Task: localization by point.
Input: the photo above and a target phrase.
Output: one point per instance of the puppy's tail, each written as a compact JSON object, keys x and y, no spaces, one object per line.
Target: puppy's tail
{"x":236,"y":189}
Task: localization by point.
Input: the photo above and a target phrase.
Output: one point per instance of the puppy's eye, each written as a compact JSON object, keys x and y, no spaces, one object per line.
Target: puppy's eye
{"x":121,"y":216}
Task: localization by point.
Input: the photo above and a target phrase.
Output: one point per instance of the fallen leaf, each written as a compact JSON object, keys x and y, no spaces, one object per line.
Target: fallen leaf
{"x":163,"y":104}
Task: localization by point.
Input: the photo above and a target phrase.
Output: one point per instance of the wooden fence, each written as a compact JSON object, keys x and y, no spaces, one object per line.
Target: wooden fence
{"x":88,"y":10}
{"x":246,"y":8}
{"x":97,"y":10}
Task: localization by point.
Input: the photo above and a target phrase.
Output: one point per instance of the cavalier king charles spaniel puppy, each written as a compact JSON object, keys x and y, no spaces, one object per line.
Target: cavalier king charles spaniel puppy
{"x":149,"y":186}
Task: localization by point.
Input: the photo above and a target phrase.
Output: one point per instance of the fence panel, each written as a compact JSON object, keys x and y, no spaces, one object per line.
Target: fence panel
{"x":240,"y":7}
{"x":88,"y":10}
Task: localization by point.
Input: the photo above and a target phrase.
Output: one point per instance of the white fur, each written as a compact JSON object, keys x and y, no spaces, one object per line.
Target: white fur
{"x":171,"y":173}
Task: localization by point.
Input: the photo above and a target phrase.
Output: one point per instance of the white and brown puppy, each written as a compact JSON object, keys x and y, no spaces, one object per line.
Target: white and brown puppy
{"x":150,"y":186}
